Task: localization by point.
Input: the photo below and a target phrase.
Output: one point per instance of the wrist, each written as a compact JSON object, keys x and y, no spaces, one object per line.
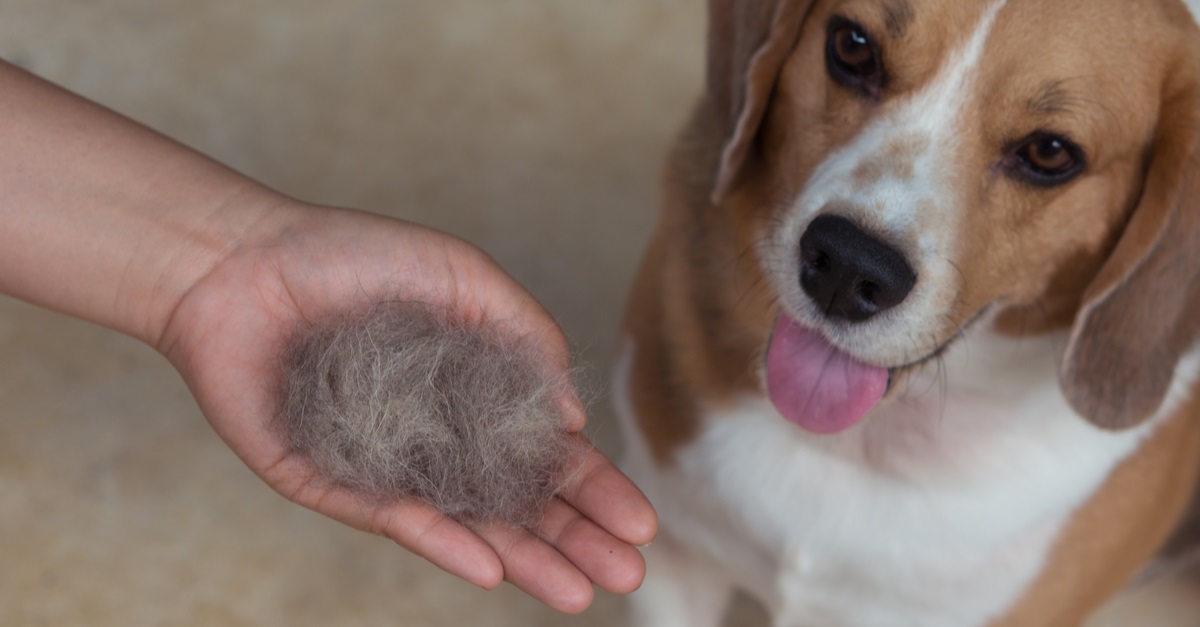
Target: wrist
{"x":246,"y":215}
{"x":105,"y":219}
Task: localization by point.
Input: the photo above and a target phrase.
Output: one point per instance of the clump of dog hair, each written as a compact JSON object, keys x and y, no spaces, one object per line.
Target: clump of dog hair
{"x":405,"y":400}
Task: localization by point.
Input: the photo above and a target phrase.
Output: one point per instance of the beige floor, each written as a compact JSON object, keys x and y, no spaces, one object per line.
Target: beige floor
{"x":532,"y":127}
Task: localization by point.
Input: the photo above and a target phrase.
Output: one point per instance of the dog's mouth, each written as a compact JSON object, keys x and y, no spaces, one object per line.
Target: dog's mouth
{"x":816,"y":385}
{"x":823,"y":389}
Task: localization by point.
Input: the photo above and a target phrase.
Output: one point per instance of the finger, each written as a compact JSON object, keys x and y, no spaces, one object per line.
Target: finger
{"x":601,"y":492}
{"x":415,"y":526}
{"x":609,"y":562}
{"x":574,"y":416}
{"x":552,"y":344}
{"x":443,"y":541}
{"x":539,"y":569}
{"x":502,"y":298}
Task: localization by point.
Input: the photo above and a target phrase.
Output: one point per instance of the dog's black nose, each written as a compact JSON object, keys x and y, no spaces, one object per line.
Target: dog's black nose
{"x":850,"y":274}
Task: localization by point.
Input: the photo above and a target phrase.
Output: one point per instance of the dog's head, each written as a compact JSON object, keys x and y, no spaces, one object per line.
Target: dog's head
{"x":912,"y":167}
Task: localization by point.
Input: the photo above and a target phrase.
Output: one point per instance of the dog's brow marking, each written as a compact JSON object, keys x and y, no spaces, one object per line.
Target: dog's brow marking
{"x":933,"y":117}
{"x":929,"y":120}
{"x":936,"y":107}
{"x":1051,"y":98}
{"x":896,"y":18}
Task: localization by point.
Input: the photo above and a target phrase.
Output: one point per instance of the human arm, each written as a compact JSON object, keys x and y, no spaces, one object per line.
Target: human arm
{"x":110,"y":222}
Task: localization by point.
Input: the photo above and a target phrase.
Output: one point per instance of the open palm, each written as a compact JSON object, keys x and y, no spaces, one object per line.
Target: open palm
{"x":226,"y":337}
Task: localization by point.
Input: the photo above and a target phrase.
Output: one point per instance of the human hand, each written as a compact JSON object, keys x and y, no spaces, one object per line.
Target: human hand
{"x":215,"y":271}
{"x":226,"y":336}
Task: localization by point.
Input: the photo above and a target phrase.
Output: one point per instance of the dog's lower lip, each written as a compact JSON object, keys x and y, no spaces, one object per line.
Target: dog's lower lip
{"x":936,"y":352}
{"x":895,"y":371}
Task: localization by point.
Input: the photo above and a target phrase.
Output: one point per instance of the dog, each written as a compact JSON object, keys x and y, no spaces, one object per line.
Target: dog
{"x":914,"y":342}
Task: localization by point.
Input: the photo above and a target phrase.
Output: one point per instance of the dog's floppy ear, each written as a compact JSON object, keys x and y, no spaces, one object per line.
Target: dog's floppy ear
{"x":1141,"y":313}
{"x":748,"y":42}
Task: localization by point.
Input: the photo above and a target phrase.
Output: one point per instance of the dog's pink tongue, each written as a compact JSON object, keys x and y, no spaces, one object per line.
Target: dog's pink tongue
{"x":816,"y":385}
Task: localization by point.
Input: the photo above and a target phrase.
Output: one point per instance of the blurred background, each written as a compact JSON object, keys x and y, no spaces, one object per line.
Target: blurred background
{"x":534,"y":128}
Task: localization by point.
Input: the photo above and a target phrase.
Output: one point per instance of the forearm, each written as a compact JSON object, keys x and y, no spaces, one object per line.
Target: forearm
{"x":104,"y":219}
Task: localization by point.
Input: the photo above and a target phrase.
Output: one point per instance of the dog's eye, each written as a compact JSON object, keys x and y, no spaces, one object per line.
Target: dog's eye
{"x":853,"y":57}
{"x":1047,"y":159}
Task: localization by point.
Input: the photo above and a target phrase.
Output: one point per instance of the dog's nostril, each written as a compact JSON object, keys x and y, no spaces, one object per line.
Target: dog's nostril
{"x":850,"y":274}
{"x":818,"y":261}
{"x":867,"y":291}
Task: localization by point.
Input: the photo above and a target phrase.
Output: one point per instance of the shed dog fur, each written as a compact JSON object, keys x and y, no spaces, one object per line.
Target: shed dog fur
{"x":404,"y":400}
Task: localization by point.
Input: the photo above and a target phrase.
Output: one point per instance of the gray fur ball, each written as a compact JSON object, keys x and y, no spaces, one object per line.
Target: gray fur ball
{"x":405,"y":401}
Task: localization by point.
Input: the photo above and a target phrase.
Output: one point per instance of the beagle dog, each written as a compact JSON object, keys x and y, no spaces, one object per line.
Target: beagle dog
{"x":915,"y":341}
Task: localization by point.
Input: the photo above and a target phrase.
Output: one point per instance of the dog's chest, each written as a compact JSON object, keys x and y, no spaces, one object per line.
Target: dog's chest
{"x":942,"y":507}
